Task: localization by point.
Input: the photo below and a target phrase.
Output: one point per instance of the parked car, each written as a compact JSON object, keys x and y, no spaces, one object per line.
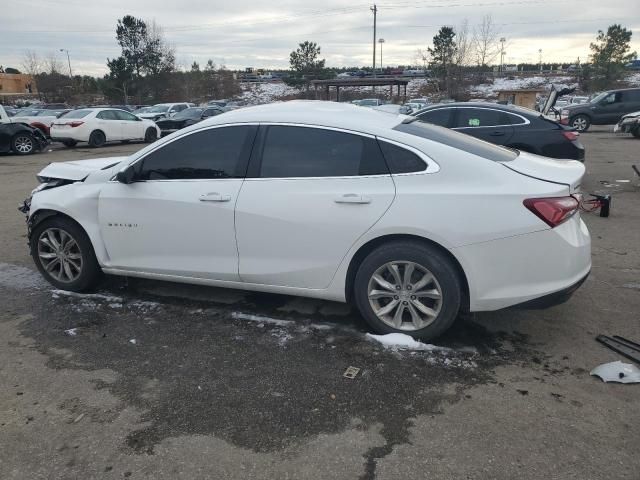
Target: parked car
{"x":20,"y":139}
{"x":578,"y":99}
{"x":97,"y":126}
{"x":40,"y":119}
{"x":164,"y":110}
{"x":410,"y":221}
{"x":605,"y":109}
{"x":369,"y":102}
{"x":140,"y":110}
{"x":633,"y":65}
{"x":507,"y":125}
{"x":185,"y":118}
{"x":629,"y":123}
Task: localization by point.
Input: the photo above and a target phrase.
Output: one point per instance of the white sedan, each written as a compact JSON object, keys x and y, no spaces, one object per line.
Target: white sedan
{"x":96,"y":126}
{"x":411,"y":222}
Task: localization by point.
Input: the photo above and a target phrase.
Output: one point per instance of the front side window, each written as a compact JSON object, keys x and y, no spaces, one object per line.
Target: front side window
{"x":479,"y":117}
{"x":206,"y":154}
{"x":438,"y":116}
{"x":315,"y":152}
{"x":122,"y":115}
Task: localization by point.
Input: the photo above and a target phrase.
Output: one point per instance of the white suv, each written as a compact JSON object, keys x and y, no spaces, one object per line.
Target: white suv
{"x":164,"y":110}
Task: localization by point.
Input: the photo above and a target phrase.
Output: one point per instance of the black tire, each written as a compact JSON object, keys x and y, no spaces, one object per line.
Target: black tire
{"x":23,"y":143}
{"x":151,"y":135}
{"x":580,"y":122}
{"x":636,"y":132}
{"x":425,"y":256}
{"x":97,"y":139}
{"x":70,"y":143}
{"x":89,"y":273}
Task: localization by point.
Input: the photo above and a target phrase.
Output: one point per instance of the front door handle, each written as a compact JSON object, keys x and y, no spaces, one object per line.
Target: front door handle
{"x":497,"y":133}
{"x":352,"y":198}
{"x":214,"y":197}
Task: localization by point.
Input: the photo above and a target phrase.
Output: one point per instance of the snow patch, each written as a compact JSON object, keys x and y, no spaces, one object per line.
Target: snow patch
{"x":14,"y":276}
{"x":401,"y":341}
{"x":261,"y":319}
{"x":87,"y":296}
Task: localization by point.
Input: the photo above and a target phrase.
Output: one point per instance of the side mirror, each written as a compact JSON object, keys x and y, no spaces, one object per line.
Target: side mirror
{"x":138,"y":119}
{"x":126,"y":176}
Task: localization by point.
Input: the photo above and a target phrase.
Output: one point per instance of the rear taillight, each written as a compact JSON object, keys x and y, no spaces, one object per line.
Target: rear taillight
{"x":74,"y":124}
{"x":553,"y":210}
{"x":571,"y":136}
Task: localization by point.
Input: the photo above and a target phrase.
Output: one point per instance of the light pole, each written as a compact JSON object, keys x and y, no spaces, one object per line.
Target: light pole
{"x":540,"y":61}
{"x":381,"y":41}
{"x":374,"y":9}
{"x":68,"y":61}
{"x":502,"y":40}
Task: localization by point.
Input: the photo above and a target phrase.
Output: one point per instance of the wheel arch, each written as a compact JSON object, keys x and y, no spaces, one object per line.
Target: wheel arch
{"x":39,"y":216}
{"x":374,"y":243}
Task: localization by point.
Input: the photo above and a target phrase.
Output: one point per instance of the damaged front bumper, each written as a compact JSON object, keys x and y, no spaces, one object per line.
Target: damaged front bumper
{"x":627,"y":125}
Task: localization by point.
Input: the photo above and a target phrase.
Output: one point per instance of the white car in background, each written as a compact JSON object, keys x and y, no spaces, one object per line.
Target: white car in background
{"x":410,"y":221}
{"x":164,"y":110}
{"x":40,"y":119}
{"x":97,"y":126}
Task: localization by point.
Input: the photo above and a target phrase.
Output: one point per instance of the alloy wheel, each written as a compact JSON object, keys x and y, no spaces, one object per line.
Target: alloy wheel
{"x":23,"y":144}
{"x":579,"y":124}
{"x":405,"y":295}
{"x":60,"y":255}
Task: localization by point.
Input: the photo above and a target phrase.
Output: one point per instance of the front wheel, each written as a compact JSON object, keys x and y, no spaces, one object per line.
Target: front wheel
{"x":408,"y":287}
{"x":580,"y":122}
{"x":64,"y":255}
{"x":97,"y":139}
{"x":636,"y":132}
{"x":151,"y":135}
{"x":23,"y":144}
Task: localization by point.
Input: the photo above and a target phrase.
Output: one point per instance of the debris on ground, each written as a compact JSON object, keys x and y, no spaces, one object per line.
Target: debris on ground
{"x":617,"y":372}
{"x":351,"y":372}
{"x":133,"y":341}
{"x":72,"y":332}
{"x":402,"y":341}
{"x":621,"y":345}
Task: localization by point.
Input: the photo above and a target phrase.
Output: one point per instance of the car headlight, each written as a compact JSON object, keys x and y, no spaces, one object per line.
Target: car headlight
{"x":564,"y":113}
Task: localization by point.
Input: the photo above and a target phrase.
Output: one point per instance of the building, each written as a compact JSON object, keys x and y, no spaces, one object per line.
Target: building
{"x":523,"y":98}
{"x":16,"y":84}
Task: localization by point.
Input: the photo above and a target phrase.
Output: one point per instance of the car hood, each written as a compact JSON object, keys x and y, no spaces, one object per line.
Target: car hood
{"x":149,"y":116}
{"x":632,"y":114}
{"x":78,"y":169}
{"x":566,"y":172}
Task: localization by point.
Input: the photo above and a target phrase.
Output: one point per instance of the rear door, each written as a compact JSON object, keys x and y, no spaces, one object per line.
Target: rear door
{"x":487,"y":124}
{"x":310,"y":193}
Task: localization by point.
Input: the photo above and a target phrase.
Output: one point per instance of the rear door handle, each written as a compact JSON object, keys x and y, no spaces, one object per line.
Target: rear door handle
{"x":497,"y":133}
{"x":214,"y":197}
{"x":352,"y":198}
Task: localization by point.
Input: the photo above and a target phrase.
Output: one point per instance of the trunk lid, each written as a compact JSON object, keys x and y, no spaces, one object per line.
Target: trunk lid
{"x":77,"y":169}
{"x":564,"y":172}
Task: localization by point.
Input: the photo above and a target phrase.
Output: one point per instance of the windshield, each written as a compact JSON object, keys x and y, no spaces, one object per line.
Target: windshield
{"x":458,"y":140}
{"x":599,"y":97}
{"x":28,"y":113}
{"x":189,"y":113}
{"x":158,"y":109}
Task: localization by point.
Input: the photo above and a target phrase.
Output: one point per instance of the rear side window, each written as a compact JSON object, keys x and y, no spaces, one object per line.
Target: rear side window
{"x":315,"y":152}
{"x":479,"y":117}
{"x":458,"y":140}
{"x":77,"y":114}
{"x":631,"y":96}
{"x":210,"y":154}
{"x":511,"y":119}
{"x":438,"y":116}
{"x":401,"y":160}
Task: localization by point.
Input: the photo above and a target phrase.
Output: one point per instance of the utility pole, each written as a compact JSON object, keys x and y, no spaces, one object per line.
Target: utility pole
{"x":540,"y":52}
{"x":68,"y":61}
{"x":502,"y":40}
{"x":374,"y":9}
{"x":381,"y":41}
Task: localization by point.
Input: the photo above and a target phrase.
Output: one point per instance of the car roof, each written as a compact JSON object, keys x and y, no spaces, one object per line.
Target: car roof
{"x":313,"y":112}
{"x":496,"y":106}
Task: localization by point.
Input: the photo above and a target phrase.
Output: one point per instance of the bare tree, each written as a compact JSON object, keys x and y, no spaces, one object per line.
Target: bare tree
{"x":464,"y":45}
{"x":51,"y":64}
{"x":486,"y":43}
{"x":31,"y":62}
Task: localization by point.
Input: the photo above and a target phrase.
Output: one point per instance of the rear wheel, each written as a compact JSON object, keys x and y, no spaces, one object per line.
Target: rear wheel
{"x":636,"y":132}
{"x":64,"y":255}
{"x":580,"y":122}
{"x":70,"y":143}
{"x":151,"y":135}
{"x":97,"y":139}
{"x":23,"y":143}
{"x":408,"y":287}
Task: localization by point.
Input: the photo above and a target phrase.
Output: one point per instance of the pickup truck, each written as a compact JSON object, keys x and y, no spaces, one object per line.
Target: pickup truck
{"x":19,"y":137}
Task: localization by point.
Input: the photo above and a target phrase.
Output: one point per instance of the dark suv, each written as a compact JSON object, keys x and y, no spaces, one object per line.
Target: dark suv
{"x":605,"y":109}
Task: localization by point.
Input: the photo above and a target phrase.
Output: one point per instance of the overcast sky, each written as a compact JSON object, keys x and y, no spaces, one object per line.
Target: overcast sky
{"x":261,"y":34}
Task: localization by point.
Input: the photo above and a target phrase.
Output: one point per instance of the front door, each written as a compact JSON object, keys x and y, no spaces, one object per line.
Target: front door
{"x":109,"y":123}
{"x":132,"y":127}
{"x":314,"y":192}
{"x":177,"y":217}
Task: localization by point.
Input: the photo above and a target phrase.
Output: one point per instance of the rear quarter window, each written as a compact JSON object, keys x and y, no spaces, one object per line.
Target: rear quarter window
{"x":458,"y":140}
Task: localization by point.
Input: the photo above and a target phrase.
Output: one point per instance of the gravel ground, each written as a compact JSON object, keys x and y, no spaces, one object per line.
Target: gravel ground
{"x":150,"y":380}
